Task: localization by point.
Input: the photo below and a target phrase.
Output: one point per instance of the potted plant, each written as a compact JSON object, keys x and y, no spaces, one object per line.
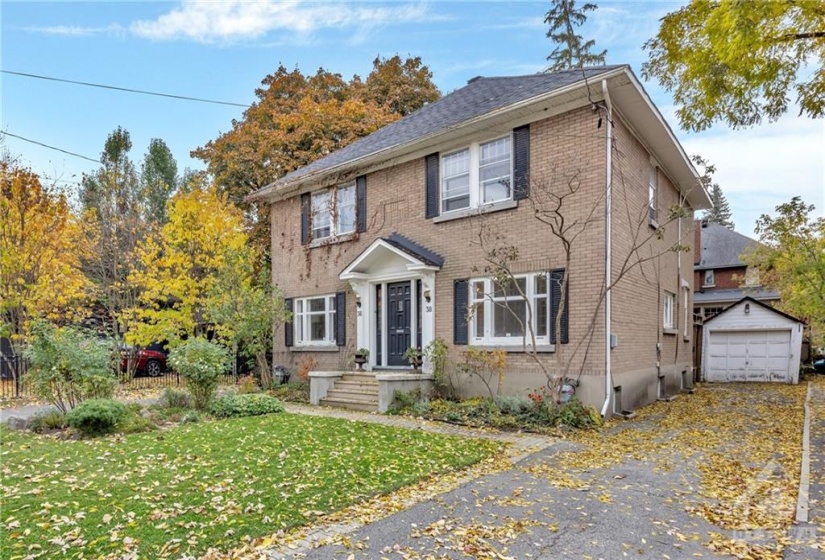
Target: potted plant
{"x":361,"y":357}
{"x":414,"y":356}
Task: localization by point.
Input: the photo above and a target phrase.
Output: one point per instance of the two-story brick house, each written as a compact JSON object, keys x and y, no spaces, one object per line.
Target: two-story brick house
{"x":720,"y":277}
{"x":377,"y":245}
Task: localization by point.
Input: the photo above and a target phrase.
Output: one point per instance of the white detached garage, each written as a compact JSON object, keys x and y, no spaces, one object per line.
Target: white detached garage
{"x":750,"y":341}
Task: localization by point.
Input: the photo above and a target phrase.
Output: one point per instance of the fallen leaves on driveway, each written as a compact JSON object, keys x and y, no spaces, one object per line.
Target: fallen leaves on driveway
{"x":745,"y":442}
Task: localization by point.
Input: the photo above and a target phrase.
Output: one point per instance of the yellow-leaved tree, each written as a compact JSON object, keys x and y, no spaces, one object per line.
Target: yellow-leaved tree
{"x":40,"y":253}
{"x":179,"y":266}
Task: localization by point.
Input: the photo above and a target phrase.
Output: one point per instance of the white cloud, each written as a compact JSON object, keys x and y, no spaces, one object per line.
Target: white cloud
{"x":762,"y":167}
{"x":75,"y":30}
{"x":234,"y":20}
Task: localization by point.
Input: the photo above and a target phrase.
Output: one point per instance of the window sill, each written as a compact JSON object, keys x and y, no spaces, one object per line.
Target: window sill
{"x":486,"y":209}
{"x":325,"y":348}
{"x":708,"y":286}
{"x":671,"y":332}
{"x":331,"y":240}
{"x":540,"y":348}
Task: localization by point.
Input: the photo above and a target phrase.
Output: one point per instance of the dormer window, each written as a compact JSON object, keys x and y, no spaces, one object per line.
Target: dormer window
{"x":476,"y":175}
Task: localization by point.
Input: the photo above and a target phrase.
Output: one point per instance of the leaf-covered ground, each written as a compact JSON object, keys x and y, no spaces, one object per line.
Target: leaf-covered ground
{"x":711,"y":474}
{"x":215,"y":484}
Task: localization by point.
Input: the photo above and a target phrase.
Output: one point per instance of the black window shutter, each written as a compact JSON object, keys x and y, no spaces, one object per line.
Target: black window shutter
{"x":306,"y":205}
{"x":341,"y":319}
{"x":361,"y":203}
{"x":431,"y":207}
{"x":521,"y":162}
{"x":461,"y":333}
{"x":289,"y":333}
{"x":556,"y":279}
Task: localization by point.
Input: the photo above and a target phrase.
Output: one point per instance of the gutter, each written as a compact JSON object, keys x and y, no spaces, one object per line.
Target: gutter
{"x":608,"y":256}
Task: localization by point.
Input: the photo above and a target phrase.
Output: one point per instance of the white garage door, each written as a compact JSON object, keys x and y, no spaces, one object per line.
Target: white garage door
{"x":748,"y":356}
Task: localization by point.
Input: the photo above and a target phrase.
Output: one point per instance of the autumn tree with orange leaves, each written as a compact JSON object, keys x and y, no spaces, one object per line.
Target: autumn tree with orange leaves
{"x":299,"y":118}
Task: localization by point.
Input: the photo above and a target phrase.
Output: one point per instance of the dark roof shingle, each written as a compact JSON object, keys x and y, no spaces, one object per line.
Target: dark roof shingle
{"x":721,"y":247}
{"x":477,"y":98}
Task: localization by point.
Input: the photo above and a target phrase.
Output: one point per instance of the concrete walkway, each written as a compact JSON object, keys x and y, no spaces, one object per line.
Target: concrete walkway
{"x":807,"y":540}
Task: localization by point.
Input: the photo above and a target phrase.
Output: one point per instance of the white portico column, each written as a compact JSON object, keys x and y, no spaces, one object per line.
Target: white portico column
{"x":362,"y":317}
{"x":427,"y":314}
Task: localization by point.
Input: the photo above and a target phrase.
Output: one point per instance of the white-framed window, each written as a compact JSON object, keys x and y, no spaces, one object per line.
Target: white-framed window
{"x":653,"y":194}
{"x":711,"y":311}
{"x":686,"y":301}
{"x":476,"y":175}
{"x":709,"y":280}
{"x":314,"y":321}
{"x":500,"y":313}
{"x":668,"y":306}
{"x":333,"y":211}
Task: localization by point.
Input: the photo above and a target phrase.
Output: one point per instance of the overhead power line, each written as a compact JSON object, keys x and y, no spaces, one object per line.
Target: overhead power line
{"x":49,"y":147}
{"x":129,"y":90}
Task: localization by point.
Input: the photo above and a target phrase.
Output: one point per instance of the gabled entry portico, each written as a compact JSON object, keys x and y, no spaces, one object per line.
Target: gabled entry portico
{"x":394,"y":285}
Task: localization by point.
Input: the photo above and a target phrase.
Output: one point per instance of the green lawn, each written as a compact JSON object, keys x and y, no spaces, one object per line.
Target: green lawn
{"x":203,"y":485}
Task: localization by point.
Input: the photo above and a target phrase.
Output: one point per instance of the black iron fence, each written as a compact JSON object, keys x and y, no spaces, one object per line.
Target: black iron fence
{"x":14,"y":384}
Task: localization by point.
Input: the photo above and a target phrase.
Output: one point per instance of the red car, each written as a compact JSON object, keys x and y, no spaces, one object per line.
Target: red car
{"x":149,"y":362}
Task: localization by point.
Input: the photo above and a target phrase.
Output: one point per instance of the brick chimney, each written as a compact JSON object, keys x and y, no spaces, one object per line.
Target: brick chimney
{"x":697,"y":242}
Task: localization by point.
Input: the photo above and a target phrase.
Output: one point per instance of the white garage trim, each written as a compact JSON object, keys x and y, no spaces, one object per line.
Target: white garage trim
{"x":750,"y":341}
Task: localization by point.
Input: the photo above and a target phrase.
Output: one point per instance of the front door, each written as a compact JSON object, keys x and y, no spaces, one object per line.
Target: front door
{"x":399,"y":322}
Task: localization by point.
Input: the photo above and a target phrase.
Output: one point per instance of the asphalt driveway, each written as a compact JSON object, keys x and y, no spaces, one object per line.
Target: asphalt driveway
{"x":712,"y":474}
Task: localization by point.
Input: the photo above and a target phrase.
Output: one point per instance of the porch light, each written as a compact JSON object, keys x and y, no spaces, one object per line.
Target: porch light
{"x":357,"y":301}
{"x":427,"y":295}
{"x":747,"y":308}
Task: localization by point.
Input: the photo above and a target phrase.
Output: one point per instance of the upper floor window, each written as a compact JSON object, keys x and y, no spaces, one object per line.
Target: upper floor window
{"x":710,"y":280}
{"x":333,"y":212}
{"x":314,"y":321}
{"x":477,"y":175}
{"x":752,"y":276}
{"x":653,"y":194}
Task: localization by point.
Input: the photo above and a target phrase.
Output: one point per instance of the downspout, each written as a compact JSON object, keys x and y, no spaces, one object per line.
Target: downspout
{"x":608,"y":257}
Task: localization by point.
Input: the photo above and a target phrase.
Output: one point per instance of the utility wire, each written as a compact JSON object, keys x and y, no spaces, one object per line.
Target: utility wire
{"x":89,"y":84}
{"x":49,"y":147}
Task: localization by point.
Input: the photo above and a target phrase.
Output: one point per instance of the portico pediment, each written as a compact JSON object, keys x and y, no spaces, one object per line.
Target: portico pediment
{"x":390,"y":256}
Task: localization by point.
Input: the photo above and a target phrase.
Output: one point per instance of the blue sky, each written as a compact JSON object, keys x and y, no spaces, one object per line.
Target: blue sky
{"x":222,"y":50}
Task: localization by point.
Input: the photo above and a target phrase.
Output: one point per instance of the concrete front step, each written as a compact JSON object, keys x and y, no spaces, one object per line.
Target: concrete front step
{"x":338,"y":394}
{"x":357,"y":387}
{"x":360,"y":377}
{"x":350,"y":404}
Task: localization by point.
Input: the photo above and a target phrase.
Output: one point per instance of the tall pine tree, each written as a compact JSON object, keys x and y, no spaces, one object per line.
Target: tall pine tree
{"x":572,"y":51}
{"x":720,"y":212}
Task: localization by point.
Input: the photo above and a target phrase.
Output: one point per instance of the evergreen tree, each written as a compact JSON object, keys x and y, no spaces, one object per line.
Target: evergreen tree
{"x":572,"y":51}
{"x":720,"y":212}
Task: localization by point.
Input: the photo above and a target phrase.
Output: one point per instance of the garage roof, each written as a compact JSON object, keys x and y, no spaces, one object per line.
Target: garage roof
{"x":757,"y":302}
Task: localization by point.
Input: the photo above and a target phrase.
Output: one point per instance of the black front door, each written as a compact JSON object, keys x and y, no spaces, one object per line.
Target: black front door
{"x":399,"y":319}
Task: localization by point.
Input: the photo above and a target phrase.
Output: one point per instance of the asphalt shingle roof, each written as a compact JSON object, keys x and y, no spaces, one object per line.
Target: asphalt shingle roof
{"x":479,"y":97}
{"x":734,"y":294}
{"x":721,"y":247}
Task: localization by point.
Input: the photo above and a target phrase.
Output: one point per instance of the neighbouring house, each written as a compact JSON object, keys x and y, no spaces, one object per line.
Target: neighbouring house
{"x":751,"y":341}
{"x":721,"y":278}
{"x":386,"y":244}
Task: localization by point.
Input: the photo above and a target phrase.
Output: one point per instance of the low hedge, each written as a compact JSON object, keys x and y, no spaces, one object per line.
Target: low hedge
{"x":250,"y":404}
